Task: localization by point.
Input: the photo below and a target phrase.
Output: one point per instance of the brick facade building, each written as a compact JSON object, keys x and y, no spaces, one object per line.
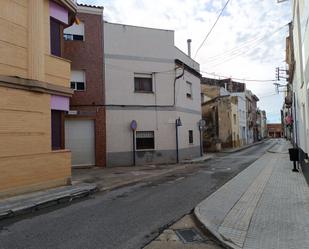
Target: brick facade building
{"x":275,"y":130}
{"x":84,"y":47}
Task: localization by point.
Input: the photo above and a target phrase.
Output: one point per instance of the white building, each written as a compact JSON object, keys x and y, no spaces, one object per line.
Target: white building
{"x":149,"y":80}
{"x":299,"y":72}
{"x":242,"y":114}
{"x":264,"y":131}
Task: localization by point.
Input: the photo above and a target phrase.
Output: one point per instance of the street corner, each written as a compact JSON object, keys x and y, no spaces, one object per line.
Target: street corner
{"x":186,"y":233}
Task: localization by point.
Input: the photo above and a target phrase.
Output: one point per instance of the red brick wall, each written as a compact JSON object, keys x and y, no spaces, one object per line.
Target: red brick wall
{"x":87,"y":55}
{"x":274,"y":130}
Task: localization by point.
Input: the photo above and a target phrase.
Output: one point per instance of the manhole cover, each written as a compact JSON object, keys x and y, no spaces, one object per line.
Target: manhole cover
{"x":189,"y":235}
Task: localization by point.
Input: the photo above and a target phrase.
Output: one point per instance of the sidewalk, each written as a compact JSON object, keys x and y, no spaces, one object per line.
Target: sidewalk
{"x":266,"y":206}
{"x":87,"y":181}
{"x":112,"y":178}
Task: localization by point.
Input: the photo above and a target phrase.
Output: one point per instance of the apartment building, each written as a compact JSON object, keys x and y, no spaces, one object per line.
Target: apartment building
{"x":153,"y":98}
{"x":242,"y":116}
{"x":298,"y":60}
{"x":85,"y":133}
{"x":212,"y":88}
{"x":35,"y":92}
{"x":264,"y":131}
{"x":275,"y":130}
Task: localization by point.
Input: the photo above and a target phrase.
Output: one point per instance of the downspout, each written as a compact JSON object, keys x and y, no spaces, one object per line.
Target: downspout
{"x":176,"y":78}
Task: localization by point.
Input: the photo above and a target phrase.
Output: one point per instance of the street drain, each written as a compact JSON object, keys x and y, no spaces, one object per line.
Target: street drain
{"x":189,"y":235}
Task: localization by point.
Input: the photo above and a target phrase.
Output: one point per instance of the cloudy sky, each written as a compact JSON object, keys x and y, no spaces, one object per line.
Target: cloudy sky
{"x":247,"y":43}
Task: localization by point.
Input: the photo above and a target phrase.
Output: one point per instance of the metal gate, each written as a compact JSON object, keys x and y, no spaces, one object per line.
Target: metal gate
{"x":80,"y":139}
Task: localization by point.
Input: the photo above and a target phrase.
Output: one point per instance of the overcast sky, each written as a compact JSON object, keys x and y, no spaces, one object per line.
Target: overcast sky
{"x":248,"y":42}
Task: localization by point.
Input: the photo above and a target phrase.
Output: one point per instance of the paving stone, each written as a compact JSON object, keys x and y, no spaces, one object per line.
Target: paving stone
{"x":235,"y":224}
{"x":264,"y":207}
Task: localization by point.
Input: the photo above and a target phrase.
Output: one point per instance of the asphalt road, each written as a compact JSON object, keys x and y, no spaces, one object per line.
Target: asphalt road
{"x":126,"y":218}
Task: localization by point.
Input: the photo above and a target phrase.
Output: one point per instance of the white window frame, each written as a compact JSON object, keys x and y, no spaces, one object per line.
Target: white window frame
{"x":189,"y":92}
{"x":144,"y":75}
{"x":78,"y":76}
{"x":75,"y":29}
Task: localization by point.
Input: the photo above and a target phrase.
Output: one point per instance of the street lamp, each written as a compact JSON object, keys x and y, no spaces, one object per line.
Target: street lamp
{"x":177,"y":124}
{"x":201,"y":127}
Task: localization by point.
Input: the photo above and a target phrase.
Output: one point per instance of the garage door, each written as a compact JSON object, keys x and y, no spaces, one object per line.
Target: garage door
{"x":79,"y":138}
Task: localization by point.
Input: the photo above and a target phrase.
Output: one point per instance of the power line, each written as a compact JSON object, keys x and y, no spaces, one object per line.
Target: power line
{"x":244,"y":45}
{"x":223,"y":60}
{"x":266,"y":96}
{"x":212,"y":27}
{"x":238,"y":79}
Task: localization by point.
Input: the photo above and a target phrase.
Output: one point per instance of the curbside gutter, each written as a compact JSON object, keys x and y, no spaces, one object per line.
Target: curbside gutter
{"x":207,"y":225}
{"x":29,"y":203}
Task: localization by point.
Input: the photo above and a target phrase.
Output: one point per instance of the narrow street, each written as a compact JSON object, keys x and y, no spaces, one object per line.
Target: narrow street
{"x":129,"y":217}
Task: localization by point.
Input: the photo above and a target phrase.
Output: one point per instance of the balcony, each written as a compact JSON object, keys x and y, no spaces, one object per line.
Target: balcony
{"x":57,"y":71}
{"x":288,"y":101}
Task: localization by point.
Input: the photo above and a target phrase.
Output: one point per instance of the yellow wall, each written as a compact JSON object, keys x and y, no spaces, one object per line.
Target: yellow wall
{"x":21,"y":174}
{"x":25,"y":43}
{"x":26,"y":160}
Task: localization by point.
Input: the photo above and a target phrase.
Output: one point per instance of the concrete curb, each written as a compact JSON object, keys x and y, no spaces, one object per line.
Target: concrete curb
{"x":29,"y":203}
{"x":132,"y":182}
{"x":209,"y":225}
{"x":206,"y":224}
{"x":192,"y":161}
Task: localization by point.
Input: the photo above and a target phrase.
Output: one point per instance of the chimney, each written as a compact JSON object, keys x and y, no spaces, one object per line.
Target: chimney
{"x":189,"y":47}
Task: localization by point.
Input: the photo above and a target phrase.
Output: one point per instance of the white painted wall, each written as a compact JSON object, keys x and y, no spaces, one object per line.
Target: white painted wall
{"x":129,"y":50}
{"x":301,"y":73}
{"x":138,"y":41}
{"x":242,"y":114}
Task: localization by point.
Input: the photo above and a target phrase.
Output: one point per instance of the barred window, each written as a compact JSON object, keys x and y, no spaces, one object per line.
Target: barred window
{"x":190,"y":136}
{"x":145,"y":140}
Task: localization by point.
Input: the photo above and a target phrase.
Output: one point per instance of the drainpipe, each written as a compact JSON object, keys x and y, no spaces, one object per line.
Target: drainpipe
{"x":176,"y":78}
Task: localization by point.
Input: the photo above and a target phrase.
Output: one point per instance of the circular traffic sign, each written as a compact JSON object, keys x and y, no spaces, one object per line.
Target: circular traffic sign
{"x":133,"y":125}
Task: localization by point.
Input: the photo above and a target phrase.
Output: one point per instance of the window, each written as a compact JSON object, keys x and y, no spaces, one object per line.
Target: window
{"x":55,"y":38}
{"x":234,"y":117}
{"x":145,"y":140}
{"x":75,"y":32}
{"x":190,"y":136}
{"x":189,"y":89}
{"x":143,"y":83}
{"x":78,"y":80}
{"x":56,"y":130}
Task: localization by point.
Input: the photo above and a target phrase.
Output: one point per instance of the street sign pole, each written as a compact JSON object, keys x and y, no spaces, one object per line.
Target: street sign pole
{"x":134,"y":163}
{"x":177,"y":124}
{"x":133,"y":127}
{"x":201,"y":143}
